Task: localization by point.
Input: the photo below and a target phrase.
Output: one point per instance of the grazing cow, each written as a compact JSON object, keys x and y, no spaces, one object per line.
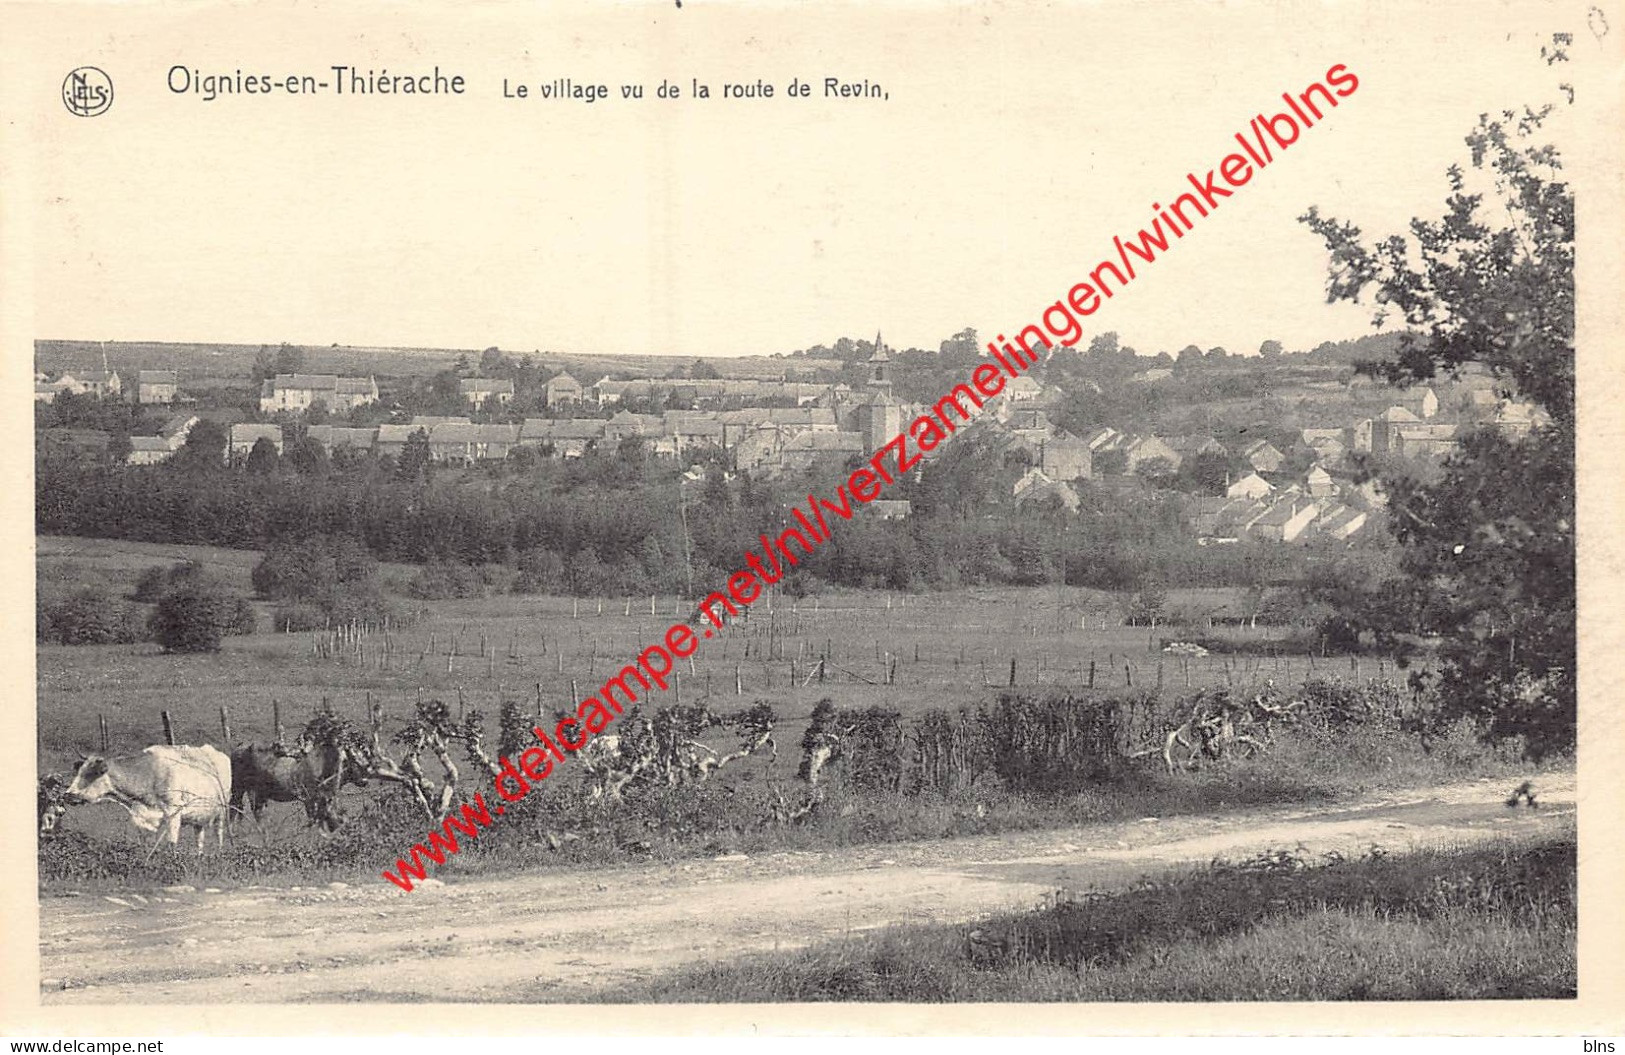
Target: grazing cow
{"x":312,"y":776}
{"x":162,"y":788}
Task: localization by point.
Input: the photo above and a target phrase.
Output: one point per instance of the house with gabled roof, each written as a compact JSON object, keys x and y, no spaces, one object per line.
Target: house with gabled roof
{"x":561,"y":389}
{"x":156,"y":386}
{"x":1263,"y":456}
{"x":101,"y":383}
{"x":1431,"y":441}
{"x":806,"y":449}
{"x":391,"y":440}
{"x":1285,"y":521}
{"x":1197,"y":444}
{"x":568,"y":437}
{"x":1341,"y":522}
{"x":1319,"y":483}
{"x":478,"y":391}
{"x":457,"y":443}
{"x":1143,"y":449}
{"x":298,"y":392}
{"x":1250,"y":486}
{"x":150,"y":450}
{"x":243,"y":436}
{"x":1385,"y":427}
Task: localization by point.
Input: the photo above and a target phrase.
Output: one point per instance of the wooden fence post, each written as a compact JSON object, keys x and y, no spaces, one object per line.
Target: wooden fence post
{"x":169,"y":728}
{"x":225,"y":726}
{"x":102,"y":720}
{"x":1012,"y":671}
{"x":1091,"y":673}
{"x":276,"y":722}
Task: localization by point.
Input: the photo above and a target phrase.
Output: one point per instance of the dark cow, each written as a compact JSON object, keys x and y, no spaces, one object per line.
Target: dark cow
{"x":311,"y":776}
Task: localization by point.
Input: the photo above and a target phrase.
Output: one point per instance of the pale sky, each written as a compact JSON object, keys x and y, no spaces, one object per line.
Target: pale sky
{"x":1016,"y":141}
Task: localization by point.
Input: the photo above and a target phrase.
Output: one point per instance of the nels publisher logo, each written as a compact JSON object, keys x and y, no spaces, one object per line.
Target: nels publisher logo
{"x":87,"y":92}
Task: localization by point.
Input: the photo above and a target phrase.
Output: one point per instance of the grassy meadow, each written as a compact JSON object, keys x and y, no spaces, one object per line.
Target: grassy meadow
{"x":937,"y":650}
{"x":907,"y":653}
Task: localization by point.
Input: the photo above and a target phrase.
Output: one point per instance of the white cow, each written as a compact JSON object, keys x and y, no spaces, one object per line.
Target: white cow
{"x":162,"y":788}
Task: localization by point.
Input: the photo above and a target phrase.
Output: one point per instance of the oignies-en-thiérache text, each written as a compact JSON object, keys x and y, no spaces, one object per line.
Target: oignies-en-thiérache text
{"x":337,"y":80}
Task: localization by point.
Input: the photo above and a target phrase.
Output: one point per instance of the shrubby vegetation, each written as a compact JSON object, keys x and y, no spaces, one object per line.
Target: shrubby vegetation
{"x":180,"y":606}
{"x":88,"y":616}
{"x":196,"y":615}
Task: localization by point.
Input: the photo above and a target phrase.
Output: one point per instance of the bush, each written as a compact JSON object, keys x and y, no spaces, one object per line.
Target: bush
{"x":195,"y":617}
{"x":541,"y":571}
{"x":158,"y":580}
{"x":89,"y":616}
{"x":312,"y":569}
{"x":439,"y":580}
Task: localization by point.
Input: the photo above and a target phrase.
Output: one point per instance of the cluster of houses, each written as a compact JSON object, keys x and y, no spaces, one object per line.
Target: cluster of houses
{"x":100,"y":383}
{"x":562,"y":390}
{"x":299,"y":392}
{"x":794,"y":425}
{"x":152,"y":387}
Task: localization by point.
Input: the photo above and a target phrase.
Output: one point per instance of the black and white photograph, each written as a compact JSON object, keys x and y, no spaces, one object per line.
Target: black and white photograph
{"x":645,"y":505}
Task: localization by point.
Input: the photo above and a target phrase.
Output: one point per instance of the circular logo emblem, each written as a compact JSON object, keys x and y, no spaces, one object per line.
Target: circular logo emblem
{"x":87,"y":92}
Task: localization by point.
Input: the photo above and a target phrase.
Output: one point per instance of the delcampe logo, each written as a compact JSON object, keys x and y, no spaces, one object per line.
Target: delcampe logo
{"x":87,"y":92}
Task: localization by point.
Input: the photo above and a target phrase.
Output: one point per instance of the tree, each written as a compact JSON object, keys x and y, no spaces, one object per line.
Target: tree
{"x":289,"y":359}
{"x":1104,"y":344}
{"x":264,"y":365}
{"x":963,"y":348}
{"x":1489,"y":546}
{"x":1208,"y":470}
{"x":262,"y":457}
{"x":1271,"y":350}
{"x":306,"y":456}
{"x":700,"y":370}
{"x":491,"y":361}
{"x":204,"y":449}
{"x":1189,"y":356}
{"x":1217,"y":352}
{"x":1110,"y":463}
{"x":196,"y":615}
{"x":118,"y":448}
{"x":415,"y":456}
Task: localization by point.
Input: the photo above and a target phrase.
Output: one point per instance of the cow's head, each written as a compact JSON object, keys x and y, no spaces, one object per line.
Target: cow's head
{"x":90,"y":781}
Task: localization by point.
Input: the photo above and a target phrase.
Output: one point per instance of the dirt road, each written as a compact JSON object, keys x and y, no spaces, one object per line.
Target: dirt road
{"x":496,"y":938}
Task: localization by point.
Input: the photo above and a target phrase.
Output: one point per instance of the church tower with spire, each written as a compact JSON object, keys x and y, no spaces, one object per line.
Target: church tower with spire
{"x":880,"y":368}
{"x":879,"y":418}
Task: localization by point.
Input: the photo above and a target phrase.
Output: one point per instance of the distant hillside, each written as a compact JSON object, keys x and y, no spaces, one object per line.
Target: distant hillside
{"x":199,"y":364}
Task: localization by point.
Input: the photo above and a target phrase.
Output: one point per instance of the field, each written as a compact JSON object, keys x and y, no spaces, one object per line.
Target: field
{"x":210,"y":365}
{"x":908,"y":653}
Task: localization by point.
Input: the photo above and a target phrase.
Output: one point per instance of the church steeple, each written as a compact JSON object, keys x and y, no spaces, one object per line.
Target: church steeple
{"x":880,"y":368}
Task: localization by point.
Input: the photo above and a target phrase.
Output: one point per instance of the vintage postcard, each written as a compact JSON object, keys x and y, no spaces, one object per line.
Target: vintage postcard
{"x":697,"y":510}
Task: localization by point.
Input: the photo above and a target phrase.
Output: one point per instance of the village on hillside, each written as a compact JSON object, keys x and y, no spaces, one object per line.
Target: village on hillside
{"x":1284,"y":486}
